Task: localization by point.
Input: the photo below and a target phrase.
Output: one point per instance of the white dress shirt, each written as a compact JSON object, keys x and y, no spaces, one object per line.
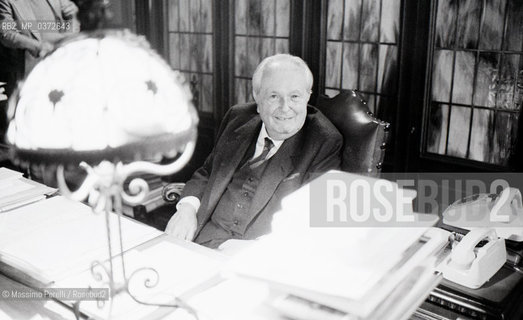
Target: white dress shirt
{"x":260,"y":142}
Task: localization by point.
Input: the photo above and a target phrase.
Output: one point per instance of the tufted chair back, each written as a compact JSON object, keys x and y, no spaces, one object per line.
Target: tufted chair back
{"x":364,"y":136}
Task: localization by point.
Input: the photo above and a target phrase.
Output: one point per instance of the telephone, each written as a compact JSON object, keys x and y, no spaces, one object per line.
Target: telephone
{"x":473,"y":262}
{"x":502,"y":211}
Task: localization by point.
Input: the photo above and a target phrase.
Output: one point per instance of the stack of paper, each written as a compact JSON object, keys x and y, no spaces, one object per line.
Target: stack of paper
{"x":17,"y":191}
{"x":364,"y":272}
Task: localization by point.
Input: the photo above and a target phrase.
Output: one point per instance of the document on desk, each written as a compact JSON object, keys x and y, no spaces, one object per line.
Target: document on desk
{"x":17,"y":191}
{"x":353,"y":276}
{"x":56,"y":237}
{"x":177,"y":271}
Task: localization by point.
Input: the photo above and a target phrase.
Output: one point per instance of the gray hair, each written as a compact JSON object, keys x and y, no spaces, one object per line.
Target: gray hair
{"x":281,"y":57}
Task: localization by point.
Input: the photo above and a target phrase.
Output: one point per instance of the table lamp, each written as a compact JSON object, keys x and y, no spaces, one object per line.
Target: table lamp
{"x":107,"y":102}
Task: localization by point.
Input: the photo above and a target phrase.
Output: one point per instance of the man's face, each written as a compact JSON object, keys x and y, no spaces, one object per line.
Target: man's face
{"x":282,"y":100}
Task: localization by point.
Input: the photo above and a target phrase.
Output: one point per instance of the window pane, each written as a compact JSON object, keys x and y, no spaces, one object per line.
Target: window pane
{"x":174,"y":50}
{"x":504,"y":138}
{"x":351,"y":29}
{"x":206,"y":15}
{"x":267,"y":47}
{"x":463,"y":77}
{"x":335,"y":19}
{"x":492,"y":24}
{"x":241,"y":92}
{"x":331,"y":92}
{"x":282,"y":46}
{"x":185,"y":52}
{"x":254,"y":54}
{"x":458,"y":131}
{"x":195,"y":24}
{"x":390,"y":17}
{"x":254,"y":17}
{"x":333,"y":64}
{"x":370,"y":16}
{"x":468,"y":24}
{"x":173,"y":15}
{"x":184,"y":15}
{"x":480,"y":144}
{"x":268,"y":19}
{"x":368,"y":67}
{"x":241,"y":64}
{"x":206,"y":102}
{"x":283,"y":8}
{"x":514,"y":31}
{"x":446,"y":23}
{"x":437,"y":133}
{"x":350,"y":66}
{"x":510,"y":71}
{"x":240,"y":21}
{"x":441,"y":75}
{"x":201,"y":53}
{"x":485,"y":93}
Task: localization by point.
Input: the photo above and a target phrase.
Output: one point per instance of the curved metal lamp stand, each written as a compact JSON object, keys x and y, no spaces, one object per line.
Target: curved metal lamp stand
{"x":103,"y":187}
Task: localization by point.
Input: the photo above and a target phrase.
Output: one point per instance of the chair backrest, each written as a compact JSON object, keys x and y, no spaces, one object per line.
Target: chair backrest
{"x":364,"y":136}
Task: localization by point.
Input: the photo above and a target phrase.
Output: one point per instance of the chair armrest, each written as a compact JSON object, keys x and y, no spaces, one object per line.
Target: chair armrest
{"x":172,"y":192}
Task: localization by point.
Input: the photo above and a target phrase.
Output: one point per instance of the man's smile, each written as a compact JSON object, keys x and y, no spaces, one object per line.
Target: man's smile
{"x":282,"y":118}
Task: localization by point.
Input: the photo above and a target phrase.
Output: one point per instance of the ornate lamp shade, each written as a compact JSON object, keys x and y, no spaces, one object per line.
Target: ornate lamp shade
{"x":101,"y":96}
{"x":108,"y":102}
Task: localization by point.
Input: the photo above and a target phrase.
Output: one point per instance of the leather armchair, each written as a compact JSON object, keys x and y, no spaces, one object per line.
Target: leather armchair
{"x":364,"y":136}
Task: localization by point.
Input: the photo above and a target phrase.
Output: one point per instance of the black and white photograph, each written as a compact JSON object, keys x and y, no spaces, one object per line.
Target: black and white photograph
{"x":261,"y":159}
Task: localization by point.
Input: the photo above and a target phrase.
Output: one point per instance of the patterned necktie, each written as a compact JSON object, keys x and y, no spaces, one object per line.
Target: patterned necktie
{"x":259,"y":159}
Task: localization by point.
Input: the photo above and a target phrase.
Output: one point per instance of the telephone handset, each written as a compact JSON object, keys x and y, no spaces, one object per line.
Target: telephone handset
{"x":471,"y":264}
{"x":503,"y":211}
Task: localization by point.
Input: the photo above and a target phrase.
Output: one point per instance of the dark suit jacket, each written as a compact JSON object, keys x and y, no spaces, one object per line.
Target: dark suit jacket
{"x":17,"y":42}
{"x":314,"y":149}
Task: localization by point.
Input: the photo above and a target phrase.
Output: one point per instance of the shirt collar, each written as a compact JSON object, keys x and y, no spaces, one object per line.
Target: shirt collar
{"x":263,"y":134}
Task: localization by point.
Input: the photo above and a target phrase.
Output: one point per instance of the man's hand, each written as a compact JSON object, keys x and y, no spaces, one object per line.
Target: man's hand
{"x":69,"y":10}
{"x":183,"y":223}
{"x":45,"y":48}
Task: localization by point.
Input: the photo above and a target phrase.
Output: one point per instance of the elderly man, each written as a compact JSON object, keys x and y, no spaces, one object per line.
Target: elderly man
{"x":264,"y":151}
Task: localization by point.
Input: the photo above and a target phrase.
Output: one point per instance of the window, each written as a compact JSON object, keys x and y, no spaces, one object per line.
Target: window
{"x":362,"y":49}
{"x":261,"y":29}
{"x":476,"y":85}
{"x":190,"y":36}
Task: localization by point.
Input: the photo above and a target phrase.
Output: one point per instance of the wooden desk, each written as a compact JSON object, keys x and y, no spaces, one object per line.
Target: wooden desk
{"x":50,"y":309}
